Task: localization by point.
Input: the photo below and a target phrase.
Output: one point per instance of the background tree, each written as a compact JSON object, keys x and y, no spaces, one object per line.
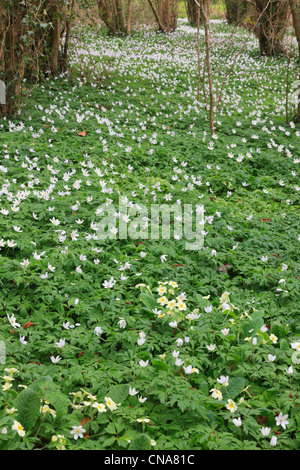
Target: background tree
{"x":295,"y":10}
{"x":191,"y":11}
{"x":31,"y":34}
{"x":116,"y":15}
{"x":236,"y":10}
{"x":274,"y":15}
{"x":165,"y":13}
{"x":11,"y":51}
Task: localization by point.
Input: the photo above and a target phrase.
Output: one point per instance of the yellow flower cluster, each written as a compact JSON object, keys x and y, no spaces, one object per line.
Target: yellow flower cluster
{"x":8,"y":378}
{"x":59,"y":441}
{"x":176,"y":303}
{"x":83,"y":402}
{"x":45,"y":408}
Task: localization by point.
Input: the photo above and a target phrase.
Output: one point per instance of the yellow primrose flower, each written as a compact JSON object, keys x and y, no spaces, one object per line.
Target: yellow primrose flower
{"x":100,"y":407}
{"x":273,"y":338}
{"x":162,"y":290}
{"x":6,"y":386}
{"x":224,"y":297}
{"x":162,"y":300}
{"x":87,"y":403}
{"x":7,"y":378}
{"x":76,"y":394}
{"x":61,"y":444}
{"x":173,"y":284}
{"x":11,"y":370}
{"x":19,"y":428}
{"x":76,"y":407}
{"x":172,"y":304}
{"x":181,"y":306}
{"x":47,"y":409}
{"x":216,"y":393}
{"x":231,"y":406}
{"x":10,"y":411}
{"x":110,"y":403}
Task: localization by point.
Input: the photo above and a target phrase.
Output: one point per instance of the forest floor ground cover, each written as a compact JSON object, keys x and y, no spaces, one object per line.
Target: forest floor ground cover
{"x":131,"y":342}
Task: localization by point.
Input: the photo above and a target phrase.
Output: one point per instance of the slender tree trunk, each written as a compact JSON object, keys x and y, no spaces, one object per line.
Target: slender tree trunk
{"x":117,"y":15}
{"x":191,"y":11}
{"x":272,"y":25}
{"x":66,"y":44}
{"x":295,"y":9}
{"x":204,"y":11}
{"x":55,"y":45}
{"x":129,"y":14}
{"x":12,"y":67}
{"x":166,"y":14}
{"x":198,"y":54}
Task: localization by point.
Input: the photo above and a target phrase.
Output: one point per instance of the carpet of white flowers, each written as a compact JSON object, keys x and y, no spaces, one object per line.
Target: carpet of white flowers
{"x":130,"y":343}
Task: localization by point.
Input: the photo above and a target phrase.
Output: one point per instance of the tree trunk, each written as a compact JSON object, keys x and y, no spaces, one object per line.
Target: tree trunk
{"x":191,"y":11}
{"x":272,"y":25}
{"x":166,"y":14}
{"x":116,"y":14}
{"x":11,"y":54}
{"x":55,"y":45}
{"x":295,"y":9}
{"x":204,"y":13}
{"x":236,"y":10}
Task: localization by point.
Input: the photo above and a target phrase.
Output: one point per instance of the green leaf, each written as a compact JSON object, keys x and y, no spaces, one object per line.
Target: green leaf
{"x":28,"y":404}
{"x":110,"y":428}
{"x":236,"y":385}
{"x":141,"y":442}
{"x":160,"y":365}
{"x":109,"y":441}
{"x":269,"y":395}
{"x":148,"y":301}
{"x":284,"y":344}
{"x":118,"y":393}
{"x":59,"y":401}
{"x":254,"y":324}
{"x":296,"y":357}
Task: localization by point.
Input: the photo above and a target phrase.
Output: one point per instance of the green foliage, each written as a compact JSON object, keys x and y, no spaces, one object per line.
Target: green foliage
{"x":95,"y":358}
